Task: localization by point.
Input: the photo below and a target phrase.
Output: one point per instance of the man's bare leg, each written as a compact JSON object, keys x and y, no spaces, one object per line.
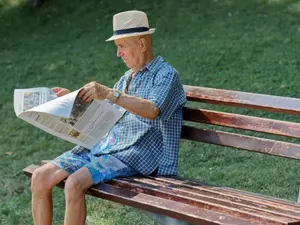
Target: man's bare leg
{"x":75,"y":188}
{"x":42,"y":182}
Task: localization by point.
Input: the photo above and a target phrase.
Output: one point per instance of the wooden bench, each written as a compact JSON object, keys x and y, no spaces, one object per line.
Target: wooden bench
{"x":201,"y":203}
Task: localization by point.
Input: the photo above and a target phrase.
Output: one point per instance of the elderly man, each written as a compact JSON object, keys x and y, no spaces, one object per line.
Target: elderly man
{"x":145,"y":140}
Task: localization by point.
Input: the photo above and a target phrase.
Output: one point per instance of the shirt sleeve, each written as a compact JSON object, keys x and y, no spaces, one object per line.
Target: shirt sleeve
{"x":167,"y":93}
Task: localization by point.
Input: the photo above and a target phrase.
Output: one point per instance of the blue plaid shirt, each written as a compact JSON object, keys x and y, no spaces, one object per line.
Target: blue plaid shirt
{"x":146,"y":144}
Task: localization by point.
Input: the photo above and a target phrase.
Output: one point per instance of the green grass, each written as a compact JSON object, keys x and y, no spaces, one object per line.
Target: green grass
{"x":249,"y":46}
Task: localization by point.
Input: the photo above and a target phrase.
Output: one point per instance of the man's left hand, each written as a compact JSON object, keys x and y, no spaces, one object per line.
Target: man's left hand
{"x":93,"y":90}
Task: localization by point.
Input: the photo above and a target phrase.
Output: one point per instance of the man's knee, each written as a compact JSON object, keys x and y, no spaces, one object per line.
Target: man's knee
{"x":77,"y":184}
{"x":39,"y":182}
{"x":74,"y":188}
{"x":45,"y":178}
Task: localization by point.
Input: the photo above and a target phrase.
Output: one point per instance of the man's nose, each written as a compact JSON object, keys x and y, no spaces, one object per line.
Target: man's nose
{"x":119,"y":53}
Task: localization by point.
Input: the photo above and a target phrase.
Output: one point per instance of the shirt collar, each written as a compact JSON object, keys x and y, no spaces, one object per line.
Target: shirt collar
{"x":154,"y":64}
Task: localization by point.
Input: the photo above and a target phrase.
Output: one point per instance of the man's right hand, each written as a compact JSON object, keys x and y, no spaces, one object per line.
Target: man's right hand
{"x":60,"y":91}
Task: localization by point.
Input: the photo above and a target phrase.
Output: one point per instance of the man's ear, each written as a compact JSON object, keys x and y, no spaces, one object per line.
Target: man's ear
{"x":143,"y":44}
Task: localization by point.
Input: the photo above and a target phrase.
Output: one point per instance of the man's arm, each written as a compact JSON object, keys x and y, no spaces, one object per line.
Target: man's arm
{"x":135,"y":105}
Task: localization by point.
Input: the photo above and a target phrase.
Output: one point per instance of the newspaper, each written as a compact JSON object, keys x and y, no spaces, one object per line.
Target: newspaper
{"x":67,"y":117}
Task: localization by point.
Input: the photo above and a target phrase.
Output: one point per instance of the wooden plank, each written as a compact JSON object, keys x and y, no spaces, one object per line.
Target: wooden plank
{"x":234,"y":198}
{"x":235,"y":207}
{"x":155,"y":204}
{"x":238,"y":197}
{"x":231,"y":192}
{"x":249,"y":143}
{"x":270,"y":126}
{"x":243,"y":99}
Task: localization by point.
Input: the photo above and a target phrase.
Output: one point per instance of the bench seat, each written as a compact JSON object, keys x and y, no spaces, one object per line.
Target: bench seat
{"x":194,"y":202}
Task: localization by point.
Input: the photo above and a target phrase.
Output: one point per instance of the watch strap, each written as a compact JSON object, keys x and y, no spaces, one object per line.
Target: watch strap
{"x":115,"y":96}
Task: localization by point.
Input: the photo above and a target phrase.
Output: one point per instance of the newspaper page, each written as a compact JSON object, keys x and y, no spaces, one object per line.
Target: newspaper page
{"x":68,"y":117}
{"x":25,"y":99}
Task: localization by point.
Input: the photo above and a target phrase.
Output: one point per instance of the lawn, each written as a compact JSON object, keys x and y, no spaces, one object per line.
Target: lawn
{"x":250,"y":46}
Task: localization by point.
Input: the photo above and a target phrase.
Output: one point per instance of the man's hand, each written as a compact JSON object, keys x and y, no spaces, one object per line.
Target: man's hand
{"x":60,"y":91}
{"x":92,"y":91}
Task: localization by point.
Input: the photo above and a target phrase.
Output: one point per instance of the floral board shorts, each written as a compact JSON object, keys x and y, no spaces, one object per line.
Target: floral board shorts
{"x":102,"y":168}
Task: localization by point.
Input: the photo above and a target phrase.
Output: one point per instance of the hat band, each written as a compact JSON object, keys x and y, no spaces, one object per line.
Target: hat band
{"x":131,"y":30}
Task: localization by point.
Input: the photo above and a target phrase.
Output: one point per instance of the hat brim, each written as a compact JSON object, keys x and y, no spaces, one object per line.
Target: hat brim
{"x":115,"y":37}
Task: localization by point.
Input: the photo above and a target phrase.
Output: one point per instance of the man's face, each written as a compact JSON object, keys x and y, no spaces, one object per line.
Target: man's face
{"x":129,"y":49}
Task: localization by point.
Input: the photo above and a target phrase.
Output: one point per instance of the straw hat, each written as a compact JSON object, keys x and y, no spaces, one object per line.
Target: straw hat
{"x":130,"y":23}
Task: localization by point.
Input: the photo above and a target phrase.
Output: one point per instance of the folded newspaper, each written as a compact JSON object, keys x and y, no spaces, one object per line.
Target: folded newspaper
{"x":67,"y":117}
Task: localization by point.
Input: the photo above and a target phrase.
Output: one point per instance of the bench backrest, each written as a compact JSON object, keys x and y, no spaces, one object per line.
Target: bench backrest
{"x":284,"y":105}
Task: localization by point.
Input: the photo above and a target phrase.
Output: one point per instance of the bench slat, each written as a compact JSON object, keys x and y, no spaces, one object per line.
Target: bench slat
{"x":270,"y":126}
{"x":227,"y":194}
{"x":243,"y":99}
{"x":249,"y":143}
{"x":209,"y":193}
{"x":227,"y":191}
{"x":235,"y":207}
{"x":155,"y":204}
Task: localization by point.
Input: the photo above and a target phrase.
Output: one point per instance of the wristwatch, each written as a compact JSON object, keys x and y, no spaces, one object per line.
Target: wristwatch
{"x":115,"y":96}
